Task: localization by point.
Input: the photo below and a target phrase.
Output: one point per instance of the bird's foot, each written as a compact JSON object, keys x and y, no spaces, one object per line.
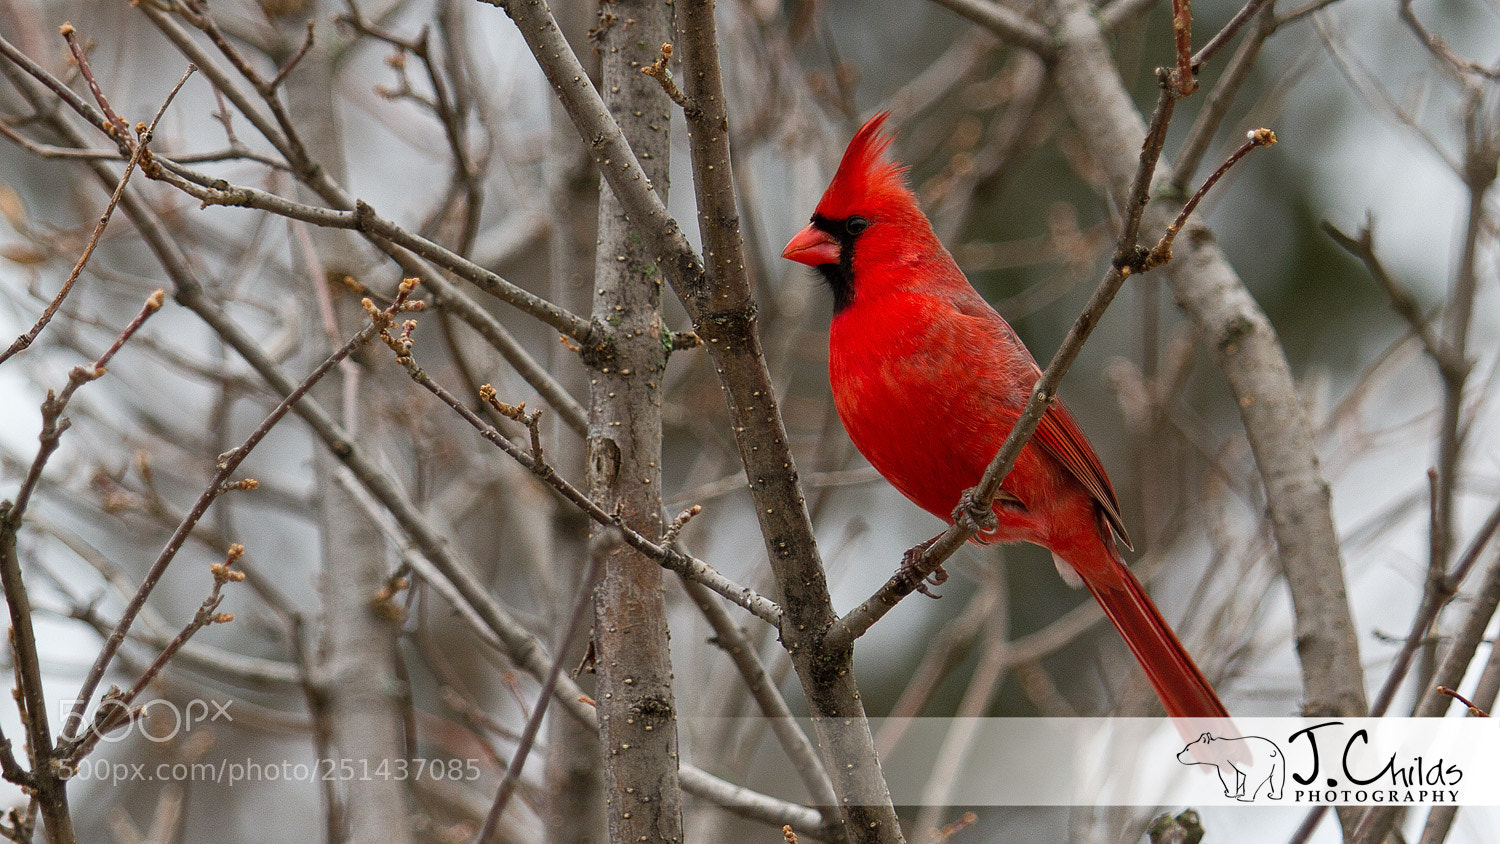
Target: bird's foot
{"x":980,"y":518}
{"x":911,"y":570}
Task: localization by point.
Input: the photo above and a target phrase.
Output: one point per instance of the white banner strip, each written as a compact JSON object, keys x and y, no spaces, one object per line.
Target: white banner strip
{"x":1188,"y":762}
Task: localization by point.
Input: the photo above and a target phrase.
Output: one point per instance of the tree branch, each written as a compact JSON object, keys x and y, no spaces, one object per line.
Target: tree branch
{"x":137,"y":152}
{"x":636,"y":700}
{"x":229,"y":463}
{"x":1257,"y":373}
{"x":512,"y":776}
{"x":518,"y":643}
{"x":794,"y":743}
{"x":1377,"y":821}
{"x":1007,"y":24}
{"x":49,"y":766}
{"x":722,"y":310}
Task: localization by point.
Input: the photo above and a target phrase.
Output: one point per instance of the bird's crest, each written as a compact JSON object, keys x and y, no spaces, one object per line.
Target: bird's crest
{"x":867,"y":179}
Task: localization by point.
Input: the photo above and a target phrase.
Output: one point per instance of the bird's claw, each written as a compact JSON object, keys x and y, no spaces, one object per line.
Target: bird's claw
{"x":971,"y":514}
{"x":911,"y":571}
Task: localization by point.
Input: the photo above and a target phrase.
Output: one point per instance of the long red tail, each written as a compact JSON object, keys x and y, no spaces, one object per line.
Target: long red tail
{"x":1173,"y":674}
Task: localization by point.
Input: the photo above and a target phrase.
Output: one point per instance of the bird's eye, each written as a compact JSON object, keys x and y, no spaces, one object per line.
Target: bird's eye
{"x":856,"y":225}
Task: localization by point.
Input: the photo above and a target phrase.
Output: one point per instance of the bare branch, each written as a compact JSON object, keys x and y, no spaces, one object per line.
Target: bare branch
{"x":659,"y":71}
{"x":359,"y":216}
{"x":674,"y":560}
{"x":1220,"y":98}
{"x":115,"y":709}
{"x":1433,"y":600}
{"x":139,"y":150}
{"x":286,"y":69}
{"x":1256,"y":370}
{"x":1403,"y":302}
{"x":115,"y":125}
{"x":48,"y":766}
{"x":549,"y":686}
{"x":794,"y":743}
{"x":1162,"y":251}
{"x":1225,"y":35}
{"x":1008,"y":24}
{"x":1456,"y":65}
{"x":518,"y":643}
{"x":1184,"y":76}
{"x":1474,"y":709}
{"x":1377,"y":821}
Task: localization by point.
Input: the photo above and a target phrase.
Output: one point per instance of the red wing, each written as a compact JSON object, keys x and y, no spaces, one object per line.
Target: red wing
{"x":1059,"y":435}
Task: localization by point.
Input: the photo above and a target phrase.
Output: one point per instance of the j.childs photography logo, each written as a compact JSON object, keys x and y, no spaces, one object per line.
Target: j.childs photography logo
{"x":1396,"y":761}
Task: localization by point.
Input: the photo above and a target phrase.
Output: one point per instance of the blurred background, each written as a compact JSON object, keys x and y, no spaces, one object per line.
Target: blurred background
{"x":1373,"y":131}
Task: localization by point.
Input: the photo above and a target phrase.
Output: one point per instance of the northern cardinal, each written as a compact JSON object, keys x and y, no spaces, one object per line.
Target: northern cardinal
{"x":929,"y":379}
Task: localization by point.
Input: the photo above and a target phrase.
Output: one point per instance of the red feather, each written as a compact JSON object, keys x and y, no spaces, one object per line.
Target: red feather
{"x":929,"y":379}
{"x":1059,"y":435}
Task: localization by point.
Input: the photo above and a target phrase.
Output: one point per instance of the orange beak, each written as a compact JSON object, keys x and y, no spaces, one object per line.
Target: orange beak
{"x":812,"y":246}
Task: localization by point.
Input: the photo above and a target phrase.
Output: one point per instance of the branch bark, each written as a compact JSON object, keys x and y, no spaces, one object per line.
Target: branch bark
{"x":720,"y":304}
{"x":637,"y":708}
{"x":724,"y":316}
{"x":1377,"y":822}
{"x":426,"y":540}
{"x":360,"y":626}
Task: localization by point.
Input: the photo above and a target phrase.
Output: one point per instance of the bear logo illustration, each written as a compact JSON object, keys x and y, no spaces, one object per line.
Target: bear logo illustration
{"x":1244,"y":764}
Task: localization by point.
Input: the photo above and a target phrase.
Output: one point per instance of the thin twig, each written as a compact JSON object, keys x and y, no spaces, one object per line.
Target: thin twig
{"x":286,"y":69}
{"x":1433,"y":601}
{"x":352,"y":214}
{"x":58,"y":88}
{"x":1011,"y":26}
{"x":1162,"y":252}
{"x":1439,"y":48}
{"x":794,"y":743}
{"x":1249,"y":354}
{"x":11,"y":768}
{"x":228,"y":463}
{"x":1403,"y":302}
{"x":659,"y":71}
{"x":512,"y":776}
{"x":363,"y":218}
{"x":1473,"y":708}
{"x":1377,"y":821}
{"x":25,"y":340}
{"x":235,"y":152}
{"x":1184,"y":76}
{"x":689,"y":567}
{"x":512,"y":635}
{"x":118,"y":710}
{"x":53,"y":421}
{"x":1219,"y":99}
{"x":1349,"y":62}
{"x":47,"y":777}
{"x":117,"y":127}
{"x":1223,"y":36}
{"x":1309,"y":825}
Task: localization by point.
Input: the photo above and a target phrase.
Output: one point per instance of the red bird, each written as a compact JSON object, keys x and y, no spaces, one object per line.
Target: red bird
{"x":929,"y":379}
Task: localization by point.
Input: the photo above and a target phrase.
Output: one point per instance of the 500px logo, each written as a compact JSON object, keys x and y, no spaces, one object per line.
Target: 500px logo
{"x":156,"y":720}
